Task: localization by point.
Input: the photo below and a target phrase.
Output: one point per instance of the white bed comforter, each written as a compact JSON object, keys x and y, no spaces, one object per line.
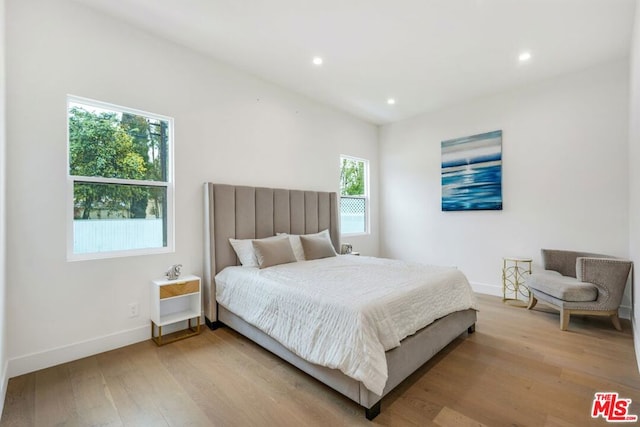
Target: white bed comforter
{"x":344,"y":312}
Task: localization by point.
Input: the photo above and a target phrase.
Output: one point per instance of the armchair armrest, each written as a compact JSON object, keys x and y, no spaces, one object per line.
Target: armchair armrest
{"x":610,"y":276}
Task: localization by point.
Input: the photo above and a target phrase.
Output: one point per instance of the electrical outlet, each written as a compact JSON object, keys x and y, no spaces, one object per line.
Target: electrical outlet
{"x":134,"y":309}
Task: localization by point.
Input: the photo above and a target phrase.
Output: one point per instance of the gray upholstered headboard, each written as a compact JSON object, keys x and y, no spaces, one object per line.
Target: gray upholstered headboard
{"x":252,"y":213}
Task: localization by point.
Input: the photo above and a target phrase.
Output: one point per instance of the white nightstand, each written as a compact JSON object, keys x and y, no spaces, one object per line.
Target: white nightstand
{"x":175,"y":301}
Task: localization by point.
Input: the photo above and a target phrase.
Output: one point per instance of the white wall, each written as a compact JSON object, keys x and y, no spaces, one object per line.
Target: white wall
{"x":3,"y":304}
{"x":634,"y":176}
{"x":565,"y":177}
{"x":229,"y":127}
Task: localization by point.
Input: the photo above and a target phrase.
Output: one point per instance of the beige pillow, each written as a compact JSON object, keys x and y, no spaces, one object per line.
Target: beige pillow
{"x":244,"y":250}
{"x":297,"y":246}
{"x":316,"y":247}
{"x":273,"y":252}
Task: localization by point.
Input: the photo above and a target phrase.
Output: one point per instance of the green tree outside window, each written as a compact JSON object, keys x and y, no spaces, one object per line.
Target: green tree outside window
{"x":112,"y":145}
{"x":352,"y":177}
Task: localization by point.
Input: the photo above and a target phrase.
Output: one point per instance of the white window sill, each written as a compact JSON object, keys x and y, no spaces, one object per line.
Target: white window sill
{"x":118,"y":254}
{"x":355,"y":234}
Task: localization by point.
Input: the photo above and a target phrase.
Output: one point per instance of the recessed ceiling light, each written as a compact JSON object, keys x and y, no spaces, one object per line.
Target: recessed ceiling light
{"x":524,"y":56}
{"x":391,"y":101}
{"x":317,"y":60}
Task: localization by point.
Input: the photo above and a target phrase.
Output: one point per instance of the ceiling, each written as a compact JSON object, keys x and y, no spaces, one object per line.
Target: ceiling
{"x":425,"y":54}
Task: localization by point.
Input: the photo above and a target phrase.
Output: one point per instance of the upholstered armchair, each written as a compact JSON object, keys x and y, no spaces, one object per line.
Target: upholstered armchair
{"x":580,"y":283}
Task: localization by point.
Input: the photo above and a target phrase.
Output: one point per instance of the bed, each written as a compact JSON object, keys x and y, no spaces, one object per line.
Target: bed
{"x":241,"y":212}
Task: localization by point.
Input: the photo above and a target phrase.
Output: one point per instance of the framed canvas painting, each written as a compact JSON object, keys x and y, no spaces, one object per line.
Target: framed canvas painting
{"x":472,"y":172}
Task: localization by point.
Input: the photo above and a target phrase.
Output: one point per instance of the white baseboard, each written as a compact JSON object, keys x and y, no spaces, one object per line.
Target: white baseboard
{"x":4,"y":382}
{"x":67,"y":353}
{"x":483,"y":288}
{"x":55,"y":356}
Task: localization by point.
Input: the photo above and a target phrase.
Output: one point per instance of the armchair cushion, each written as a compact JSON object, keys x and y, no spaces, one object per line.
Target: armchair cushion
{"x":562,"y":287}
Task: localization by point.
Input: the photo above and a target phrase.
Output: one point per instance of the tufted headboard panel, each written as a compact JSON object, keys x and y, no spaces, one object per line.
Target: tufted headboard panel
{"x":242,"y":212}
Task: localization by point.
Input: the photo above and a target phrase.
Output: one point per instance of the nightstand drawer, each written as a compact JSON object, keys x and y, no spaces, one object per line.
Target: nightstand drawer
{"x":180,"y":288}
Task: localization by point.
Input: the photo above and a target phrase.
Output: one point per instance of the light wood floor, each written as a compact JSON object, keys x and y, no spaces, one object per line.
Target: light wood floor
{"x":517,"y":369}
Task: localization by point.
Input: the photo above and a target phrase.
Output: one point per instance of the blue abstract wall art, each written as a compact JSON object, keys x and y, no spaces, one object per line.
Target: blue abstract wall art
{"x":472,"y":172}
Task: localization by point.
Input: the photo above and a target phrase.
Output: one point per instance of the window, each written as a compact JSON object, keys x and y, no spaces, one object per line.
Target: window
{"x":119,"y":181}
{"x":354,"y":182}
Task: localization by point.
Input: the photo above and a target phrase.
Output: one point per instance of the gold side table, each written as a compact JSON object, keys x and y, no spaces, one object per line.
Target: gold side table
{"x":514,"y":271}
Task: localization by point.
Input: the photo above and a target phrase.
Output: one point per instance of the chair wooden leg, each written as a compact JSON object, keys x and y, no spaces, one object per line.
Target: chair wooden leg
{"x":616,"y":321}
{"x":532,"y":301}
{"x":564,"y":319}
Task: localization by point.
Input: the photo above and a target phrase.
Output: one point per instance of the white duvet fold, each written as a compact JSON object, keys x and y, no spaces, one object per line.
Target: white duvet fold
{"x":344,"y":312}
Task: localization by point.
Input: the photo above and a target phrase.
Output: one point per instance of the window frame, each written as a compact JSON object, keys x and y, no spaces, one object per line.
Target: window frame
{"x":367,"y":212}
{"x":169,"y":184}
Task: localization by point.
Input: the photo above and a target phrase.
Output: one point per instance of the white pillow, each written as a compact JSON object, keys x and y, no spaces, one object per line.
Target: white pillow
{"x":296,"y":245}
{"x":245,"y":251}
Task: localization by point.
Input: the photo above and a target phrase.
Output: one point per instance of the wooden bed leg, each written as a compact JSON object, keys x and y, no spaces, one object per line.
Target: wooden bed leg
{"x":471,"y":329}
{"x":373,"y":412}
